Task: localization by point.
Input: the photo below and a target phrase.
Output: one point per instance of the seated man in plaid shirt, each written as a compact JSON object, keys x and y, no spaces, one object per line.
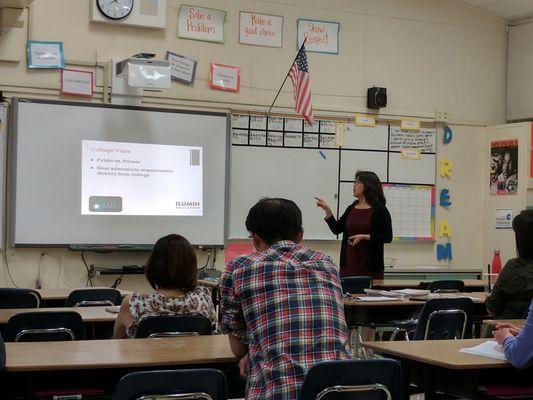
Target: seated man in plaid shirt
{"x":282,"y":305}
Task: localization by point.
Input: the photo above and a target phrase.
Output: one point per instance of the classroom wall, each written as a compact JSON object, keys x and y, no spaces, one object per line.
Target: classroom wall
{"x":430,"y":54}
{"x":519,"y":84}
{"x":504,"y":239}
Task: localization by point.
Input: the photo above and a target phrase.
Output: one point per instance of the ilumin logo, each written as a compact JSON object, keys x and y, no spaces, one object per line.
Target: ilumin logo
{"x":187,"y":204}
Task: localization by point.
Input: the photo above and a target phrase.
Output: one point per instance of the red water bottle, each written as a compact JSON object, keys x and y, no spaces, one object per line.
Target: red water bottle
{"x":496,"y":262}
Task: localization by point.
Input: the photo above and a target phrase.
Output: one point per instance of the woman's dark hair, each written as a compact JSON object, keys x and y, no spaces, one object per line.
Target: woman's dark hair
{"x":523,"y":230}
{"x":274,"y":219}
{"x":172,"y":264}
{"x":373,"y":190}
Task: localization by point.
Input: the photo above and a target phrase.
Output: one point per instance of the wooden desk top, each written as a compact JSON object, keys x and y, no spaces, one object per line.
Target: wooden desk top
{"x":413,"y":283}
{"x":441,"y":353}
{"x":121,"y":353}
{"x":477,"y":297}
{"x":88,"y":314}
{"x":519,"y":323}
{"x":212,"y":283}
{"x":62,"y":293}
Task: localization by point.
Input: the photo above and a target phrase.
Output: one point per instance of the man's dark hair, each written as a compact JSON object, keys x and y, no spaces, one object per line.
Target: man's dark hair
{"x":523,"y":229}
{"x":172,"y":264}
{"x":275,"y":219}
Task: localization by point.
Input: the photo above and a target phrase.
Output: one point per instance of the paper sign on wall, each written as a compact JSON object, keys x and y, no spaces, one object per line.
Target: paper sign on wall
{"x":45,"y":54}
{"x":340,"y":132}
{"x":322,"y":36}
{"x":503,"y":218}
{"x":365,"y":120}
{"x":225,"y":77}
{"x":260,"y":29}
{"x":182,"y":69}
{"x":200,"y":23}
{"x":410,"y":124}
{"x":77,"y":83}
{"x":410,"y":154}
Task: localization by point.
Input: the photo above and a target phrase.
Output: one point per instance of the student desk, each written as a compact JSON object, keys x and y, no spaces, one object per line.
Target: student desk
{"x":88,"y":314}
{"x":364,"y":312}
{"x":438,"y":365}
{"x":474,"y":285}
{"x":102,"y":363}
{"x":490,"y":324}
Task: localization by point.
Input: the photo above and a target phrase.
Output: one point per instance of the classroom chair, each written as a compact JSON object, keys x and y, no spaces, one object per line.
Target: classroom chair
{"x":45,"y":326}
{"x":158,"y":326}
{"x":447,"y":286}
{"x":2,"y":354}
{"x":353,"y":379}
{"x":19,"y":298}
{"x":441,"y":319}
{"x":356,"y":284}
{"x":201,"y":384}
{"x":445,"y":319}
{"x":94,"y":297}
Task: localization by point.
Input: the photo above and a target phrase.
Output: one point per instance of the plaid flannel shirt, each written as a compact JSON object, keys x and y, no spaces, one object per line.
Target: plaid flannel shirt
{"x":286,"y":304}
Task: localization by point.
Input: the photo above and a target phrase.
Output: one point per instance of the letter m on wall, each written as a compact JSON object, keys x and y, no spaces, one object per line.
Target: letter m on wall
{"x":444,"y":251}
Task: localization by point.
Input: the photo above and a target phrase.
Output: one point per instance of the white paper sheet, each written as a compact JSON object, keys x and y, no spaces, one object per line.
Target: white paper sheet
{"x":376,"y":298}
{"x":490,"y":349}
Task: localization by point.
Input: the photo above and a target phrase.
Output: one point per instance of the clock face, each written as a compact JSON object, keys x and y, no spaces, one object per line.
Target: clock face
{"x":115,"y":9}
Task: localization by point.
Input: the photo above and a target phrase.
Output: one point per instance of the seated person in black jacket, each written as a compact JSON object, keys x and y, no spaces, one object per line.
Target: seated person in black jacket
{"x":513,"y":290}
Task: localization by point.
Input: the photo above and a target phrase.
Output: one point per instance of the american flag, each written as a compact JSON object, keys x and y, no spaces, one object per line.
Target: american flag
{"x":299,"y":74}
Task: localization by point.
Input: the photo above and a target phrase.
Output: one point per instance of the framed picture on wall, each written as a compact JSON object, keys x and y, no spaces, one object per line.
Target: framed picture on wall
{"x":77,"y":83}
{"x":225,"y":77}
{"x":504,"y":167}
{"x":45,"y":54}
{"x":182,"y":69}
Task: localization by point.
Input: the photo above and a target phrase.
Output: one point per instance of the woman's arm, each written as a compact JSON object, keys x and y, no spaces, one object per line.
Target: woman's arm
{"x":338,"y":226}
{"x":124,"y":319}
{"x":519,"y":349}
{"x":381,"y":229}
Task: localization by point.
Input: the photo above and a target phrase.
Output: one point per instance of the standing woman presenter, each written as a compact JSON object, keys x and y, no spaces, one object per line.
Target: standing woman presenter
{"x":365,"y":226}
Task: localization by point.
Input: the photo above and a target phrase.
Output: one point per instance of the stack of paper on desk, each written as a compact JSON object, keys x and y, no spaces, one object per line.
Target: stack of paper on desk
{"x":376,"y":298}
{"x":490,"y":348}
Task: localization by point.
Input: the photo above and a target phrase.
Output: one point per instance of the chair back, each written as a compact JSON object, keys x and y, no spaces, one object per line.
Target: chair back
{"x":19,"y":298}
{"x":202,"y":383}
{"x":173,"y":325}
{"x":445,"y":319}
{"x":356,"y":284}
{"x":93,"y":297}
{"x":446,"y":286}
{"x":2,"y":354}
{"x":44,"y":326}
{"x":376,"y":379}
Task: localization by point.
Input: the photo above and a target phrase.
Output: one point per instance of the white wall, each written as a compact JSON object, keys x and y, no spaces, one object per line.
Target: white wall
{"x":520,"y":85}
{"x":430,"y":54}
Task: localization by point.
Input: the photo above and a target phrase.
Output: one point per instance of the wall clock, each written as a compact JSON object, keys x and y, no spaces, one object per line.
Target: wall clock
{"x":115,"y":9}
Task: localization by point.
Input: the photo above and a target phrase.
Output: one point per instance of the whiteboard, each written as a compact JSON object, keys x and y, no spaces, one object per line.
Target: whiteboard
{"x":420,"y":171}
{"x":285,"y":157}
{"x":272,"y":172}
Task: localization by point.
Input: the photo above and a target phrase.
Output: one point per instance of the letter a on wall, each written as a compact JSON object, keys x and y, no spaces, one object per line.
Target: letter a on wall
{"x":445,"y":229}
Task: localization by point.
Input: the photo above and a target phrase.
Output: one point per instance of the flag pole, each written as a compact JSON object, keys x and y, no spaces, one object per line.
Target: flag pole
{"x":286,"y":76}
